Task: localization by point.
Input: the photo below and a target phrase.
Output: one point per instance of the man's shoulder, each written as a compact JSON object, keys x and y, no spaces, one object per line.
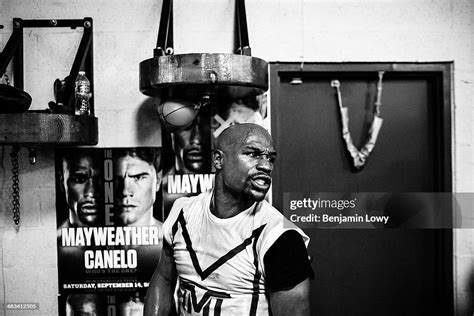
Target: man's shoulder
{"x":267,"y":212}
{"x":189,"y":204}
{"x":275,"y":224}
{"x":184,"y":208}
{"x":188,"y":201}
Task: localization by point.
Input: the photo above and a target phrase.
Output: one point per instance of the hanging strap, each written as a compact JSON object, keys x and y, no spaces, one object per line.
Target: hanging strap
{"x":359,"y":157}
{"x":242,"y":35}
{"x":164,"y":44}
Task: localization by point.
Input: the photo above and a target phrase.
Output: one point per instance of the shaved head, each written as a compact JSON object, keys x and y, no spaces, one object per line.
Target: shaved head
{"x":239,"y":133}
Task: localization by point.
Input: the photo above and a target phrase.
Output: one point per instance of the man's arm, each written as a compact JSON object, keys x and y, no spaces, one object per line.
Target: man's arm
{"x":287,"y":275}
{"x":159,"y":297}
{"x":294,"y":301}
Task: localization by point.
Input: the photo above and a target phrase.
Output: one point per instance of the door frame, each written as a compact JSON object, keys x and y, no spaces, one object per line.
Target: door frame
{"x":441,"y":74}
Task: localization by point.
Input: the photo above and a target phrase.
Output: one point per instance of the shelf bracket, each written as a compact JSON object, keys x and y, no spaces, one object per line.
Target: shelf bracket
{"x":83,"y":59}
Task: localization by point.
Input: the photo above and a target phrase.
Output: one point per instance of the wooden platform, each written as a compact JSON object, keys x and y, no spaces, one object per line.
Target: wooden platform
{"x":45,"y":128}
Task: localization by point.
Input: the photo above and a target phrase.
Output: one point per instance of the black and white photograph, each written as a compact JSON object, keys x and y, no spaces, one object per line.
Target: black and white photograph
{"x":237,"y":157}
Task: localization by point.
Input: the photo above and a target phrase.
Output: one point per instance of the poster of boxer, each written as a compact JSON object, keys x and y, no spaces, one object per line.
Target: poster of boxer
{"x":187,"y":160}
{"x":187,"y":152}
{"x":108,"y":206}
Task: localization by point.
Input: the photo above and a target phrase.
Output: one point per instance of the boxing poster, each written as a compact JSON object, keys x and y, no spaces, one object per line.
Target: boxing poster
{"x":187,"y":151}
{"x":108,"y":206}
{"x":187,"y":160}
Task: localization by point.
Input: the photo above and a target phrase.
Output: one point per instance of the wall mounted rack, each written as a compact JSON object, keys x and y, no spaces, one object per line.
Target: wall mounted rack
{"x":36,"y":127}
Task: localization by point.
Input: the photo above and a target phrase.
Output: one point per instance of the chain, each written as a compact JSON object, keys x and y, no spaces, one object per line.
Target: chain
{"x":16,"y":185}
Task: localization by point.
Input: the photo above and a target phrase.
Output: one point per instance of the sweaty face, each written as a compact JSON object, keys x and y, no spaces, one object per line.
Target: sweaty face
{"x":136,"y":186}
{"x":192,"y":146}
{"x":84,"y":185}
{"x":248,"y":165}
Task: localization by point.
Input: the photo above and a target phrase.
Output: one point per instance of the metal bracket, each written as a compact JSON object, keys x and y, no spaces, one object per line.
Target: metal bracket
{"x":83,"y":60}
{"x":164,"y":44}
{"x":241,"y":34}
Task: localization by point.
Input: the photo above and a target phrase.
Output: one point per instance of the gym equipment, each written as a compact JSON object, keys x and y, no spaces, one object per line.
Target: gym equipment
{"x":201,"y":78}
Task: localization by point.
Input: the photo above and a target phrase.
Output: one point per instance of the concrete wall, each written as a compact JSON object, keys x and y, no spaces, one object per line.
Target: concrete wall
{"x":125,"y":33}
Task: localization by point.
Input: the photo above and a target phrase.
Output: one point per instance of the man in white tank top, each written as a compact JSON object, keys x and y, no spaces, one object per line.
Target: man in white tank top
{"x":233,"y":252}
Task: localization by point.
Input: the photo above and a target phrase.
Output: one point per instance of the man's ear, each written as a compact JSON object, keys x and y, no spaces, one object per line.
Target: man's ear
{"x":64,"y":168}
{"x":159,"y":177}
{"x":61,"y":181}
{"x":217,"y":159}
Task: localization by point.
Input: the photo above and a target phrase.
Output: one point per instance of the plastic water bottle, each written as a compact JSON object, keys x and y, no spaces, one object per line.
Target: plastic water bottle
{"x":83,"y":94}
